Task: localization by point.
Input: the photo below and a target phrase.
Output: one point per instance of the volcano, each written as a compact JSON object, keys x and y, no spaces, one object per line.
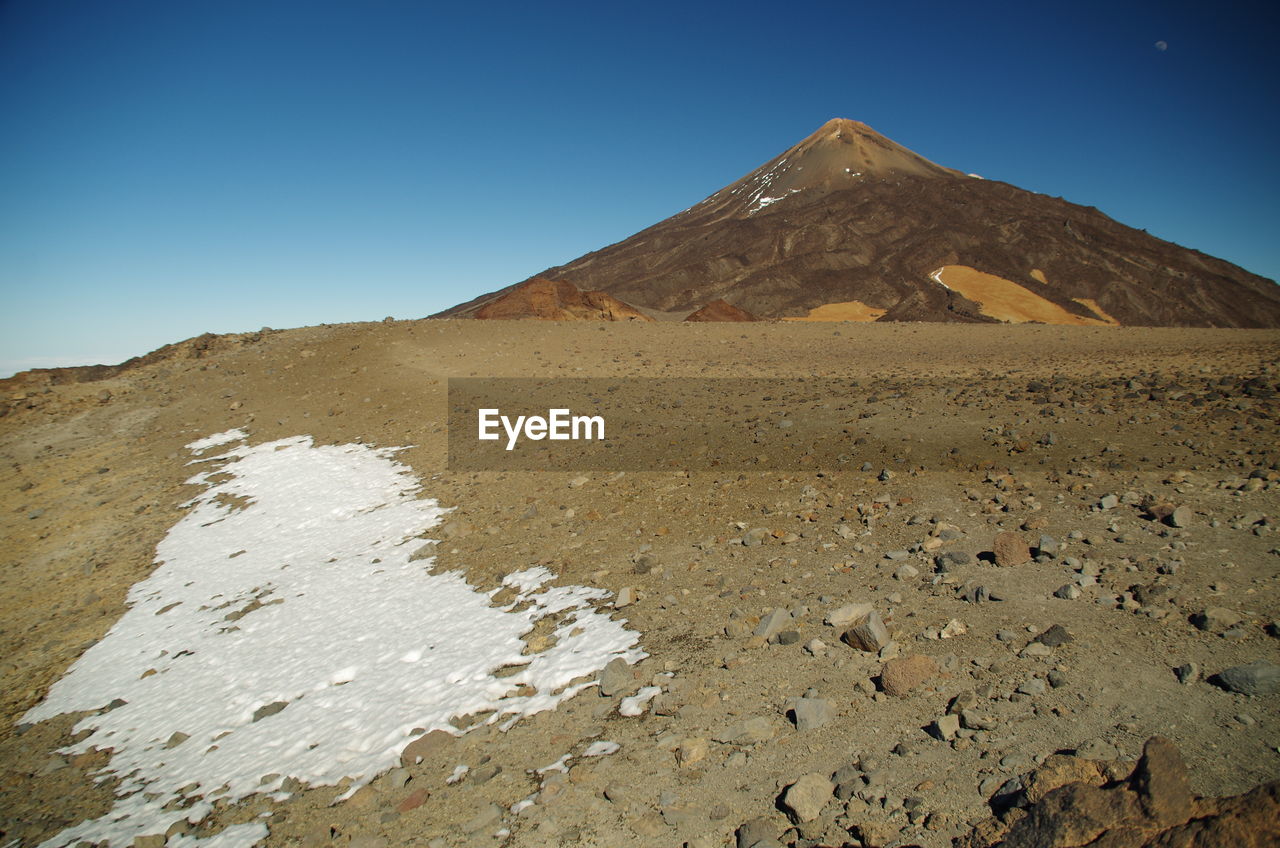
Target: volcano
{"x":848,"y":225}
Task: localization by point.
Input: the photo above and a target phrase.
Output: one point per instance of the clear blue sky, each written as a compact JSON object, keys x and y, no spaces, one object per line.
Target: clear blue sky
{"x":169,"y":168}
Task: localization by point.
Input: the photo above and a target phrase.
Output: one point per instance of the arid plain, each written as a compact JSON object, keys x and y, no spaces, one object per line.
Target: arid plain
{"x":1080,"y":441}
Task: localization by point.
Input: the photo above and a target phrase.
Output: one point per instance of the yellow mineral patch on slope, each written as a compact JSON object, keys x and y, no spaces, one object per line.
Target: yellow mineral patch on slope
{"x":851,"y":310}
{"x":1007,"y":301}
{"x":1092,"y":306}
{"x":1038,"y":276}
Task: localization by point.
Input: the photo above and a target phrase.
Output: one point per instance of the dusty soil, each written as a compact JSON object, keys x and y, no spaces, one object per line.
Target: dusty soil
{"x":987,"y":429}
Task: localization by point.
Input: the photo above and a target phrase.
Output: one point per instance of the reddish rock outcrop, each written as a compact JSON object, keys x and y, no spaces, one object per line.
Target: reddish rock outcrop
{"x":556,"y":300}
{"x":1068,"y":803}
{"x":721,"y":310}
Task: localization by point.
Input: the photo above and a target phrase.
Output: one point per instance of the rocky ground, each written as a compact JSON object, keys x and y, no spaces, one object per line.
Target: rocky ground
{"x":1066,"y":545}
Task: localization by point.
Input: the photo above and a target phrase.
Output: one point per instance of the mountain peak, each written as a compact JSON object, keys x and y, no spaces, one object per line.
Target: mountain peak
{"x":845,"y":143}
{"x":850,"y":225}
{"x":841,"y":154}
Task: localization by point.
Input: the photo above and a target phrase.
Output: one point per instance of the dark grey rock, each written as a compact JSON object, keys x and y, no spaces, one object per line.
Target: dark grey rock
{"x":1256,"y":678}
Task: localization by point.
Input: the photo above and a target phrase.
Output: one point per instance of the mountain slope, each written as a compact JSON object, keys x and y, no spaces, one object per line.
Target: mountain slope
{"x":848,"y":218}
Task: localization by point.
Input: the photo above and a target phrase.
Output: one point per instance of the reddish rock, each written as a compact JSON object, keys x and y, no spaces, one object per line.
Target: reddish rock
{"x":556,"y":300}
{"x":1161,"y":782}
{"x":413,"y":800}
{"x":1011,"y":549}
{"x":1071,"y":815}
{"x":721,"y":310}
{"x":899,"y":676}
{"x":1151,"y":807}
{"x":1251,"y":820}
{"x":1059,"y":770}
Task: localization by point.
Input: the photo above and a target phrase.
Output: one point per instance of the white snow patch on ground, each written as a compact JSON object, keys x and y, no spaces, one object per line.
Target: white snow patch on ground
{"x":289,"y":584}
{"x":638,"y":703}
{"x":199,"y":446}
{"x":936,"y":276}
{"x":762,"y":201}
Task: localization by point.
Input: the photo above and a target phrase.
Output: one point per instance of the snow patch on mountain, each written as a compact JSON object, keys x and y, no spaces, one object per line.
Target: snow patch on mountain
{"x":288,"y":631}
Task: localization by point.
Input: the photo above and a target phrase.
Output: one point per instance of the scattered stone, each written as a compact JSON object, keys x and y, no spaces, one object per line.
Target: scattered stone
{"x":626,"y":597}
{"x":692,"y":750}
{"x":869,"y":634}
{"x":426,"y":747}
{"x":649,"y":825}
{"x":848,"y":615}
{"x":487,"y":817}
{"x":803,"y":800}
{"x":811,"y":713}
{"x":1181,"y":517}
{"x":1256,"y":678}
{"x":1033,"y":687}
{"x":1216,"y":619}
{"x":1010,"y":549}
{"x":750,"y":732}
{"x":950,"y":560}
{"x":947,"y":727}
{"x":483,"y":774}
{"x":899,"y":676}
{"x":267,"y":710}
{"x":1108,"y":502}
{"x":755,"y":536}
{"x":755,"y":831}
{"x":906,"y":572}
{"x":1054,"y":636}
{"x":1187,"y":673}
{"x":616,"y":678}
{"x":413,"y":800}
{"x":954,"y":627}
{"x":773,"y":623}
{"x":1038,"y":650}
{"x":1069,"y":592}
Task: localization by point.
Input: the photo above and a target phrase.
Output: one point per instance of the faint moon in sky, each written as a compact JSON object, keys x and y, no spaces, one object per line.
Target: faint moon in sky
{"x":1162,"y":46}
